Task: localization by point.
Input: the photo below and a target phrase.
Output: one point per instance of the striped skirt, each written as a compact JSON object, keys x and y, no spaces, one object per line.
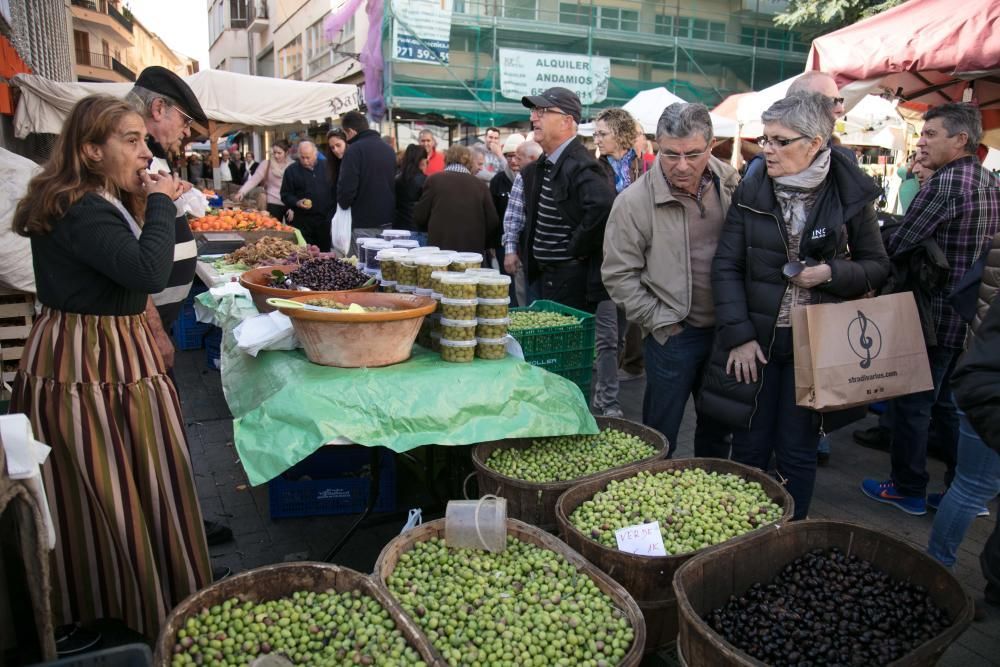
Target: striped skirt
{"x":130,"y":540}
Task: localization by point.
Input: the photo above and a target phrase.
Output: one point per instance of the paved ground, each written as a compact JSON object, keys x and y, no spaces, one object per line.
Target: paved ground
{"x":226,"y":496}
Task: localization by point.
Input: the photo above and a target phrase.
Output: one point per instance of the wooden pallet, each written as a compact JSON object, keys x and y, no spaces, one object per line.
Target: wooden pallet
{"x":17,"y":313}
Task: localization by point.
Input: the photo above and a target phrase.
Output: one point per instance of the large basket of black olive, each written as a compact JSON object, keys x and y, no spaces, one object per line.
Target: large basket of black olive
{"x":819,"y":593}
{"x":323,"y":274}
{"x":308,"y":613}
{"x":698,"y":503}
{"x":536,"y":602}
{"x":531,"y":473}
{"x":358,"y":329}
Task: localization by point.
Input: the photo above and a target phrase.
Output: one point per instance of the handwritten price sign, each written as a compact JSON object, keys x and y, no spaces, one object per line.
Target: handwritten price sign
{"x":643,"y":539}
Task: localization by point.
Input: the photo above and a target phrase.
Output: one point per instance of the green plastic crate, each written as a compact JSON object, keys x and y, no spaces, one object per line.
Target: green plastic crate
{"x":567,"y":351}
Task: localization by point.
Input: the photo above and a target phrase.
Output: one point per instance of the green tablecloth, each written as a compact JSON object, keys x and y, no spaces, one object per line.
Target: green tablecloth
{"x":285,"y":407}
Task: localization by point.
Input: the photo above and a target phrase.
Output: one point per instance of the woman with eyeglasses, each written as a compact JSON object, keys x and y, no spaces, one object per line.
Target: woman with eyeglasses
{"x":802,"y":231}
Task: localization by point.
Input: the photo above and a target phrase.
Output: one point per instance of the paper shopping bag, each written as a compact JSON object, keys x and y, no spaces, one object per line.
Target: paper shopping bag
{"x":857,"y":352}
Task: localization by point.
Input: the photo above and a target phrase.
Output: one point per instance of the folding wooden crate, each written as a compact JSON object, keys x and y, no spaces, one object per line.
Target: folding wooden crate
{"x":17,"y":313}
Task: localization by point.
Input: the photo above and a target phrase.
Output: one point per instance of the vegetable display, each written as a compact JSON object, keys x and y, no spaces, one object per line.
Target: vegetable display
{"x":271,"y":250}
{"x":321,"y":274}
{"x":567,"y":457}
{"x":231,"y":220}
{"x":307,"y":628}
{"x":525,"y":606}
{"x":695,"y":508}
{"x":828,"y":608}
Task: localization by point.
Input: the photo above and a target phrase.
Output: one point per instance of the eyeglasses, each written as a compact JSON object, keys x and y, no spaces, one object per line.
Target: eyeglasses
{"x":778,"y":142}
{"x":188,"y":120}
{"x":837,"y":100}
{"x":676,"y":157}
{"x":541,"y":111}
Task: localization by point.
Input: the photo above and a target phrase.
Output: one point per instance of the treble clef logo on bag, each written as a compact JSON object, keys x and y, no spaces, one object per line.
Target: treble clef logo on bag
{"x":865,"y":339}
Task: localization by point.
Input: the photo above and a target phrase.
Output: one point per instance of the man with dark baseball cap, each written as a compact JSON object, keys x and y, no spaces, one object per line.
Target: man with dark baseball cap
{"x":557,"y":217}
{"x":172,"y":88}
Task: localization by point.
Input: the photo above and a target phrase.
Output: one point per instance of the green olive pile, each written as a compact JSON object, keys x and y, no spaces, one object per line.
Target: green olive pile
{"x":567,"y":457}
{"x":695,"y":508}
{"x":333,"y":303}
{"x":308,"y":628}
{"x":525,"y":606}
{"x":536,"y":319}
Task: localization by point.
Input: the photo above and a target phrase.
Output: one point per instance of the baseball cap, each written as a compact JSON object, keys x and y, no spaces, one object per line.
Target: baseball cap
{"x":563,"y":98}
{"x":163,"y":81}
{"x":511,"y":143}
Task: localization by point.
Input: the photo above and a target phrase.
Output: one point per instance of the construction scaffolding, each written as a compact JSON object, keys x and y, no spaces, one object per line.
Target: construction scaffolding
{"x":701,"y":51}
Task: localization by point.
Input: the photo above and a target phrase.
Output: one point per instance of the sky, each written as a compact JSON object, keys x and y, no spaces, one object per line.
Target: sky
{"x":182,"y":24}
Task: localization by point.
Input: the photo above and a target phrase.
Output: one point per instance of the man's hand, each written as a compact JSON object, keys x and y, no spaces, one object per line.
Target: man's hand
{"x":495,"y":148}
{"x":511,"y":263}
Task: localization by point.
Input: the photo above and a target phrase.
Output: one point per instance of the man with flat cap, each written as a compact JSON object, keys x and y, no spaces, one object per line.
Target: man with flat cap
{"x":169,"y":107}
{"x":566,"y":201}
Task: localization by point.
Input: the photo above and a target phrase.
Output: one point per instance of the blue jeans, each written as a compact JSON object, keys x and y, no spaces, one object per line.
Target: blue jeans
{"x":781,"y":427}
{"x":911,"y":421}
{"x":673,"y":373}
{"x":977,"y":481}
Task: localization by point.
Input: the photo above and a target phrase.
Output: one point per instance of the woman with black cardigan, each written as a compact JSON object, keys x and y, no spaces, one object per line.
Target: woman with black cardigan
{"x":130,"y":543}
{"x":409,"y":184}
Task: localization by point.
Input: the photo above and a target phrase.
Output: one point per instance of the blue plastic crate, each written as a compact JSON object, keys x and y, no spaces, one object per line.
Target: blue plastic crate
{"x":333,"y":480}
{"x":128,"y":655}
{"x":213,"y":348}
{"x":189,"y":333}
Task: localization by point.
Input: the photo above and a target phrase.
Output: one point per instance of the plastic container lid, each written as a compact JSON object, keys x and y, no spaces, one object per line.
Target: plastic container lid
{"x":439,"y":275}
{"x":420,"y":291}
{"x":459,"y":302}
{"x":432,"y":259}
{"x":388,"y":283}
{"x":453,"y":278}
{"x":493,"y":341}
{"x":372,"y":270}
{"x":469,"y":257}
{"x":405,"y":243}
{"x":396,"y":233}
{"x":495,"y":279}
{"x":480,"y":271}
{"x":408,"y":289}
{"x":494,"y":302}
{"x":493,"y":322}
{"x":390,"y":253}
{"x":370,"y":242}
{"x":457,"y":343}
{"x":425,"y":249}
{"x":445,"y":322}
{"x":437,"y":296}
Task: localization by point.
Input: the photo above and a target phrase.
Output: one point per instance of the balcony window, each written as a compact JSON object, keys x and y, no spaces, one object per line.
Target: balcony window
{"x":216,"y":21}
{"x":576,"y":14}
{"x":605,"y":18}
{"x":238,"y":14}
{"x":520,"y":9}
{"x":701,"y":29}
{"x":290,"y":60}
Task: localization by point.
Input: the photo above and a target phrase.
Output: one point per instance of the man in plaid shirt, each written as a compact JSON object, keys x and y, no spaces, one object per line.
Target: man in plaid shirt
{"x":959,"y":207}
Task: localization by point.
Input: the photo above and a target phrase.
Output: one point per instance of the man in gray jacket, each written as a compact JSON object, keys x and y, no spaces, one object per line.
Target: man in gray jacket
{"x":658,"y":248}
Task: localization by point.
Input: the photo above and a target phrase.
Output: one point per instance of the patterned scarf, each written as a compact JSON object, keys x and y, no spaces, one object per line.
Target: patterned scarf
{"x":623,"y":172}
{"x":454,"y":166}
{"x":797,"y":193}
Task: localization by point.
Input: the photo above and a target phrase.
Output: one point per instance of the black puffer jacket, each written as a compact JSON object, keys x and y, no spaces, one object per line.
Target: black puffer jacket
{"x":747,"y":284}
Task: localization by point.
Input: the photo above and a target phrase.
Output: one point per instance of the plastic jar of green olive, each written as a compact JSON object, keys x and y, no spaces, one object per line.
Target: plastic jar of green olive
{"x":420,"y":250}
{"x":493,"y":287}
{"x":389,"y":262}
{"x":491,"y":348}
{"x":388,"y":286}
{"x":458,"y":309}
{"x":406,"y":271}
{"x":423,"y":292}
{"x":481,"y":271}
{"x":406,"y":289}
{"x":493,"y":309}
{"x":436,"y":277}
{"x":427,"y":264}
{"x":492,"y":328}
{"x":466,"y":260}
{"x":458,"y":329}
{"x":459,"y":351}
{"x":458,"y":286}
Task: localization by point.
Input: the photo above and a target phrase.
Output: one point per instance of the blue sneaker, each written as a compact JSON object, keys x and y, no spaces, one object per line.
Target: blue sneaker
{"x":934,"y":499}
{"x":885,"y":492}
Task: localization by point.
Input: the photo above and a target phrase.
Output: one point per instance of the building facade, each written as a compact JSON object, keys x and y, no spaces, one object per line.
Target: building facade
{"x":111,"y":45}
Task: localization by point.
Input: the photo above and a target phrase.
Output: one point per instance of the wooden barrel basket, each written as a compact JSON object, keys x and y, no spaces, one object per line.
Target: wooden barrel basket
{"x":535,"y":502}
{"x":649,"y":579}
{"x":388,"y":559}
{"x":272,"y":582}
{"x":707,"y":581}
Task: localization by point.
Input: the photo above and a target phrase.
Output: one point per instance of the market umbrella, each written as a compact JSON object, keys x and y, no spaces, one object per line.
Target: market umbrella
{"x":648,"y":105}
{"x":924,"y":52}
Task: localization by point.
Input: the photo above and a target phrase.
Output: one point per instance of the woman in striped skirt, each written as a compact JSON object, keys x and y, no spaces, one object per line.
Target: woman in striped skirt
{"x":130,"y":542}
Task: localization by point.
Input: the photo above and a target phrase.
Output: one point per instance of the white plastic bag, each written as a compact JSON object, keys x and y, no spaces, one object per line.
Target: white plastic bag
{"x":340,"y":231}
{"x":193,"y":201}
{"x":272,"y":331}
{"x":414,"y":519}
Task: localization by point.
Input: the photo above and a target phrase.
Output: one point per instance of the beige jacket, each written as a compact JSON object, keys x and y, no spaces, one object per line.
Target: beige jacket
{"x":647,"y":268}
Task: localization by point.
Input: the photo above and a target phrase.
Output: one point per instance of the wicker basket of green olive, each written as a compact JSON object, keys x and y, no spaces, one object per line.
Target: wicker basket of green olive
{"x":492,"y":328}
{"x":491,"y":348}
{"x":458,"y":329}
{"x":493,"y":287}
{"x":458,"y":309}
{"x":459,"y":351}
{"x":493,"y":309}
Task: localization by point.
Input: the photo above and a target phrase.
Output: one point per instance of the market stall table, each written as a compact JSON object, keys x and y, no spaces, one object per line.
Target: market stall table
{"x":284,"y":407}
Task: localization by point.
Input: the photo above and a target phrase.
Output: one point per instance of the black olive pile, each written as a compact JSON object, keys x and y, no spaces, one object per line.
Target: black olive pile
{"x":827,"y":608}
{"x":322,"y":273}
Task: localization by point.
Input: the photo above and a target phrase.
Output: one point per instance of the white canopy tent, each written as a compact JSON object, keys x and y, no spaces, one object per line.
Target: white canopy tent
{"x":648,"y":105}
